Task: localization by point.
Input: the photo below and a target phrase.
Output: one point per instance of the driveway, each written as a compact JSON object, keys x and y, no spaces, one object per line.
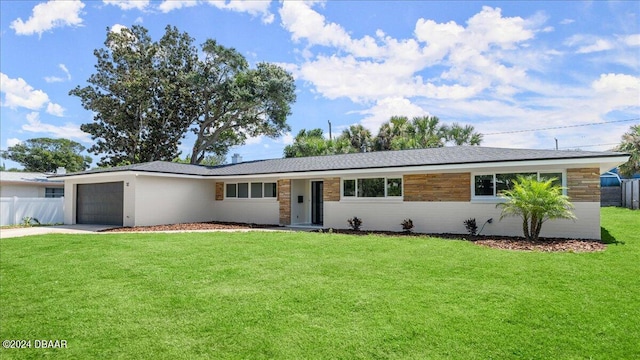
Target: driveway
{"x":58,"y":229}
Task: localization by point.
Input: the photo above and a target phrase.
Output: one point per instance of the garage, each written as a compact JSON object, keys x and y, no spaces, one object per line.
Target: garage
{"x":100,"y":203}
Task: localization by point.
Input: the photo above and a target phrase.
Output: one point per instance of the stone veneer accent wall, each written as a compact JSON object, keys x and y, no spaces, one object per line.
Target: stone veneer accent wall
{"x":331,"y":189}
{"x":583,"y":185}
{"x":284,"y":199}
{"x":437,"y":187}
{"x":219,"y":191}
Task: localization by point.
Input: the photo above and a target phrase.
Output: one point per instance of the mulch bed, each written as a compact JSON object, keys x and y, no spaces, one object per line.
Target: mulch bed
{"x":497,"y":242}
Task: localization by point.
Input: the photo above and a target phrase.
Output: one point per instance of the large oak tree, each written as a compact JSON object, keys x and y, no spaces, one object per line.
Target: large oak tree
{"x":147,"y":95}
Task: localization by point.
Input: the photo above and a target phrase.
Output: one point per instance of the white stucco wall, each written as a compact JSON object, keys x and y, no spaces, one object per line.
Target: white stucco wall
{"x":27,"y":191}
{"x":448,"y":217}
{"x":172,"y":200}
{"x":301,"y":212}
{"x":252,"y":211}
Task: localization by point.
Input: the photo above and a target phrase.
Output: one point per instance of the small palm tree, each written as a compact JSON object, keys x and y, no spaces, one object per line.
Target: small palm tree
{"x":535,"y":202}
{"x":631,"y":144}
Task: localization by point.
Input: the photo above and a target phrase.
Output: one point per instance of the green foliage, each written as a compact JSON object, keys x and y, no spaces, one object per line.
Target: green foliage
{"x":140,"y":96}
{"x":471,"y":226}
{"x":29,"y":221}
{"x":631,"y":145}
{"x":236,"y":102}
{"x":46,"y":155}
{"x":146,"y":95}
{"x":209,"y":160}
{"x":407,"y":225}
{"x":399,"y":133}
{"x":355,"y":223}
{"x":535,"y":202}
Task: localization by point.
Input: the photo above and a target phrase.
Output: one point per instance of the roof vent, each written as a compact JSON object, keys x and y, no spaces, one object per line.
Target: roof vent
{"x":61,"y":171}
{"x":236,"y":159}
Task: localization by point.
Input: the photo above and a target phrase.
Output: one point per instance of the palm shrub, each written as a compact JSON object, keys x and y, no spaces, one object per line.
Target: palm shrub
{"x":535,"y":202}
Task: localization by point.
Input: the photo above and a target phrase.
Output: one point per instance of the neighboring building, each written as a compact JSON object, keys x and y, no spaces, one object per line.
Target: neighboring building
{"x":437,"y":188}
{"x":30,"y":185}
{"x":30,"y":195}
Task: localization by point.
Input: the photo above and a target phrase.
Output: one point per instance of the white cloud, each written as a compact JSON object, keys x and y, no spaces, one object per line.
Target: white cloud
{"x":128,"y":4}
{"x":617,"y":91}
{"x":170,"y":5}
{"x":53,"y":79}
{"x":567,"y":21}
{"x":13,"y":142}
{"x":253,"y":8}
{"x":55,"y":109}
{"x":599,"y":45}
{"x":20,"y":94}
{"x":116,"y":28}
{"x":49,"y":15}
{"x":67,"y":131}
{"x":632,"y":40}
{"x":384,"y":109}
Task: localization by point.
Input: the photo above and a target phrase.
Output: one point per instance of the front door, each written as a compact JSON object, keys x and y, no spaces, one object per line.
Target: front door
{"x":317,"y":213}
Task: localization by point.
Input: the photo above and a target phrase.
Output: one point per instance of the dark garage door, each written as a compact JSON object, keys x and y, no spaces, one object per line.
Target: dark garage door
{"x":100,"y":203}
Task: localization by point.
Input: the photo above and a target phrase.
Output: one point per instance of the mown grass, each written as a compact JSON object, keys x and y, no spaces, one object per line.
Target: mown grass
{"x":307,"y":295}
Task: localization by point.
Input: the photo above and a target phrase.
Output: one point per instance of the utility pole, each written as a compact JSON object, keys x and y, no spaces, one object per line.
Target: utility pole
{"x":556,"y":143}
{"x":330,"y":137}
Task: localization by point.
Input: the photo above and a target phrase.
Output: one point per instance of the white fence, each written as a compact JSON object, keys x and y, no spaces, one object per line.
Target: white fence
{"x":631,"y":193}
{"x":46,"y":210}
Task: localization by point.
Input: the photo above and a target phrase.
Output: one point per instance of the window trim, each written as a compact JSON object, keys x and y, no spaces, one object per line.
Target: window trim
{"x":495,"y":197}
{"x":386,"y":196}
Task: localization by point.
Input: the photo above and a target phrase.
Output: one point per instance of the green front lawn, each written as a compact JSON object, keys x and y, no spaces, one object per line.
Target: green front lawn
{"x":309,"y":295}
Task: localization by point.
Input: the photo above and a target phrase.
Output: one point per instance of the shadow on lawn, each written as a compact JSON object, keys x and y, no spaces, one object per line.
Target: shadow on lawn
{"x":607,"y":238}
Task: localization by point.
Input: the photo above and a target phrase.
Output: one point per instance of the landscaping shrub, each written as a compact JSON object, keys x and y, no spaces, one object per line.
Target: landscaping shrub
{"x":355,"y":223}
{"x":472,"y":227}
{"x":407,"y":225}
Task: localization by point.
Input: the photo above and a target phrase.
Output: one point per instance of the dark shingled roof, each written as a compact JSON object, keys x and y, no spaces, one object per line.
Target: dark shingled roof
{"x":371,"y":160}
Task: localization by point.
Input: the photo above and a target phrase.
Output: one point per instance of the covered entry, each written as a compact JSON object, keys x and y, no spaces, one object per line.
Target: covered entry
{"x":100,"y":203}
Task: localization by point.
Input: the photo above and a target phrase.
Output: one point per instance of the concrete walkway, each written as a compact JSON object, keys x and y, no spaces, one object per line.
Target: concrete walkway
{"x":57,"y":229}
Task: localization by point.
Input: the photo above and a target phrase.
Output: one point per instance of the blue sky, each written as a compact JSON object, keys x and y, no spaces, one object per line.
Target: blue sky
{"x":504,"y":67}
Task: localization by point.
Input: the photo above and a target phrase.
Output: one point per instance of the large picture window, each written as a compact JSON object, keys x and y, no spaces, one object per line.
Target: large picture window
{"x":491,"y":185}
{"x":372,"y":187}
{"x":254,"y":190}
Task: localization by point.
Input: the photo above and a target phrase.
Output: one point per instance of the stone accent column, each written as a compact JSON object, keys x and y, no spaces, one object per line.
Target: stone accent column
{"x":437,"y":187}
{"x":583,"y":184}
{"x":331,"y":190}
{"x":219,"y":191}
{"x":284,"y":199}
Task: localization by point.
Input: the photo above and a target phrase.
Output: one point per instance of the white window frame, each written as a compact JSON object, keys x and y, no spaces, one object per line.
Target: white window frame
{"x":386,"y":196}
{"x":495,"y":197}
{"x":250,"y":194}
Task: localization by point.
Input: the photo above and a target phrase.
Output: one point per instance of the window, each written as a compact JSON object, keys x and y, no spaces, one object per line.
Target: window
{"x":232,"y":190}
{"x":505,"y":181}
{"x":349,"y":188}
{"x":54,"y":192}
{"x":270,"y":190}
{"x":484,"y":185}
{"x":549,"y":176}
{"x":394,"y":187}
{"x":372,"y":187}
{"x":243,"y":190}
{"x":491,"y":185}
{"x":258,"y":190}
